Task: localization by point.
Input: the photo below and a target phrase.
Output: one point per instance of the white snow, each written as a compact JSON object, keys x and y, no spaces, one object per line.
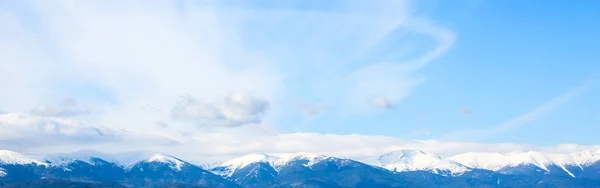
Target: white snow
{"x":124,"y":160}
{"x":65,"y":159}
{"x":583,"y":158}
{"x":276,"y":160}
{"x":401,"y":160}
{"x":10,"y":157}
{"x":285,"y":158}
{"x":497,"y":161}
{"x":175,"y":163}
{"x":243,"y":161}
{"x":414,"y":160}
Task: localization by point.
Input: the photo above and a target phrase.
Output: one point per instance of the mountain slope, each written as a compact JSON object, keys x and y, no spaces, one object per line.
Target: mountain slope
{"x":527,"y":162}
{"x":306,"y":170}
{"x":164,"y":169}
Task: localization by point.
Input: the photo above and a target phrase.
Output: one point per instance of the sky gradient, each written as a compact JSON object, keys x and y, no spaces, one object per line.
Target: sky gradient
{"x":226,"y":77}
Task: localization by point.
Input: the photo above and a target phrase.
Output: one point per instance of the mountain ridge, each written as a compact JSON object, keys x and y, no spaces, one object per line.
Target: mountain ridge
{"x":395,"y":168}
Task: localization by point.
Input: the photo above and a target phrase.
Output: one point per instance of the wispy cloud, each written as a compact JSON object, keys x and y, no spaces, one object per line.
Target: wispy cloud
{"x":148,"y":56}
{"x":522,"y":120}
{"x":385,"y":84}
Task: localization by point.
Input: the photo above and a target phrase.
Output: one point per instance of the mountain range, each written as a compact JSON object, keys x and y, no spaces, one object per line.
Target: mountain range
{"x":402,"y":168}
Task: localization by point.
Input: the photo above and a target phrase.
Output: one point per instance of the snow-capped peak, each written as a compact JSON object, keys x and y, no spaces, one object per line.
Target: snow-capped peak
{"x":174,"y":163}
{"x":276,"y":160}
{"x":497,"y":161}
{"x":10,"y":157}
{"x":85,"y":156}
{"x":246,"y":160}
{"x":289,"y":157}
{"x":584,"y":158}
{"x":413,"y":160}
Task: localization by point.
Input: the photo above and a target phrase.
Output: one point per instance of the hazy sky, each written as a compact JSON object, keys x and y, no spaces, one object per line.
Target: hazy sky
{"x":350,"y":78}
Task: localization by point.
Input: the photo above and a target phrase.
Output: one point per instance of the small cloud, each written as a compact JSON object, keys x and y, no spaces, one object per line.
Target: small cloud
{"x":267,"y":129}
{"x":235,"y":110}
{"x":162,"y":124}
{"x":312,"y":109}
{"x":422,"y":132}
{"x":382,"y":102}
{"x":150,"y":108}
{"x":67,"y":108}
{"x":465,"y":111}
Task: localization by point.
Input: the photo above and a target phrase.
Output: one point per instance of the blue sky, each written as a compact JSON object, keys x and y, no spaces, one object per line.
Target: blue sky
{"x":190,"y":73}
{"x":509,"y":58}
{"x":515,"y":56}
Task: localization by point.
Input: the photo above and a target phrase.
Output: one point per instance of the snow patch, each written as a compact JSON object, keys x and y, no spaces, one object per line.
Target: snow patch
{"x":173,"y":162}
{"x":286,"y":158}
{"x":497,"y":161}
{"x":14,"y":158}
{"x":415,"y":160}
{"x":241,"y":162}
{"x":276,"y":160}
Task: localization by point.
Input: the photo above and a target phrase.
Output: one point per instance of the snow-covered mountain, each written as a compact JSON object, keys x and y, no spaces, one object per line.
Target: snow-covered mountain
{"x":304,"y":170}
{"x":277,"y":161}
{"x":399,"y":161}
{"x":148,"y":170}
{"x":174,"y":163}
{"x":416,"y":160}
{"x":412,"y":168}
{"x":545,"y":162}
{"x":14,"y":158}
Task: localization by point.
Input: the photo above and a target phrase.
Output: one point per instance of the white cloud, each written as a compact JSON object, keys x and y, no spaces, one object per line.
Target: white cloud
{"x":162,"y":124}
{"x":20,"y":125}
{"x":151,"y":54}
{"x":68,"y":107}
{"x":312,"y":108}
{"x":143,"y":56}
{"x":235,"y":110}
{"x":382,"y":102}
{"x":30,"y":132}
